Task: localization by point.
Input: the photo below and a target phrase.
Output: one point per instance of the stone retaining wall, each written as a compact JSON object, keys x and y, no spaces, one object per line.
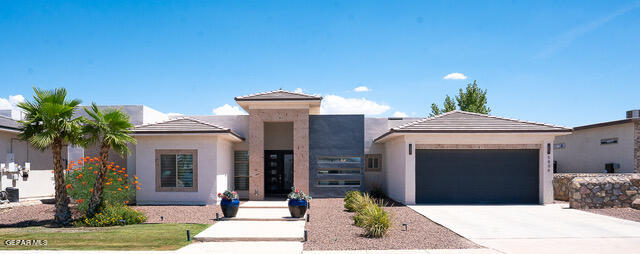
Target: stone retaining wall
{"x":562,"y":182}
{"x":604,"y":191}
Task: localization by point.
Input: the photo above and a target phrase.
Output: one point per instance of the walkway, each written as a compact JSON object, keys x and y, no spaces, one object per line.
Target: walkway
{"x":259,"y":227}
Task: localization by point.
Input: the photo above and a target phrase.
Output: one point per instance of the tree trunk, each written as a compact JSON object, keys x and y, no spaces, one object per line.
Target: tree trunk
{"x":98,"y":187}
{"x":63,"y":214}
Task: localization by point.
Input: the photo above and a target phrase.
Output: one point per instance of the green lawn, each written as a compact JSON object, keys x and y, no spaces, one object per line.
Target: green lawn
{"x":132,"y":237}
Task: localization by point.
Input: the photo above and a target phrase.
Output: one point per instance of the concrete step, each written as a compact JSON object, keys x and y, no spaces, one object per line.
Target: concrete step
{"x":264,"y":204}
{"x":230,"y":231}
{"x":270,"y":214}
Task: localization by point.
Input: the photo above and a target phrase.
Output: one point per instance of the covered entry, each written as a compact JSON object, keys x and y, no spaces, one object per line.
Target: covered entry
{"x":477,"y":176}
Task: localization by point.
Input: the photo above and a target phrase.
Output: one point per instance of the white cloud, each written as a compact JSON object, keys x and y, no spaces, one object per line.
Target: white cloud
{"x":361,"y":89}
{"x":298,"y":90}
{"x":455,"y":75}
{"x":333,"y":104}
{"x":400,"y":114}
{"x":12,"y":104}
{"x":227,"y":109}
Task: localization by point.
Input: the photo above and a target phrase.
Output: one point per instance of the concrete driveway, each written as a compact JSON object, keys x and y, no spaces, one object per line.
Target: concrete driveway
{"x":537,"y":228}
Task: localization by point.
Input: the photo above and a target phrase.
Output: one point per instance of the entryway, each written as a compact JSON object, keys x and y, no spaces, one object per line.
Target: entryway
{"x":278,"y":172}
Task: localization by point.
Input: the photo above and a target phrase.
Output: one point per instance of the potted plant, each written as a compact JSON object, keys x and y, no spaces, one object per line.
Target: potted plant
{"x":229,"y":203}
{"x":298,"y":203}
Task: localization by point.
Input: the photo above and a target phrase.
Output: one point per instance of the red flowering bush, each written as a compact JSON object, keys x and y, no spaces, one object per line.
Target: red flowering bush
{"x":229,"y":195}
{"x":119,"y":186}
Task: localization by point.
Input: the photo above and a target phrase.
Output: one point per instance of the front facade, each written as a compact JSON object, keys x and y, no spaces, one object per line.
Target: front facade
{"x":284,"y":141}
{"x":607,"y":147}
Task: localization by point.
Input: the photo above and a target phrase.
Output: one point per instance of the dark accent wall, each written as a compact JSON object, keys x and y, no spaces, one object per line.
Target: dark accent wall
{"x":335,"y":135}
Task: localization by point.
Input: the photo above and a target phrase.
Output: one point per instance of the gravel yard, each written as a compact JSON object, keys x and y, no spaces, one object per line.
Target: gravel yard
{"x":42,"y":214}
{"x":622,"y":213}
{"x":331,"y":228}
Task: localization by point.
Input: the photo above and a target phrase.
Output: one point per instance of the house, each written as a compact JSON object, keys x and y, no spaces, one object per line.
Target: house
{"x":40,"y":182}
{"x":612,"y":147}
{"x":284,"y":141}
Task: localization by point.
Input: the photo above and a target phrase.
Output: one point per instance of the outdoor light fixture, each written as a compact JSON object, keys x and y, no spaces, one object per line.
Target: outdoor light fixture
{"x":410,"y":148}
{"x":308,"y":217}
{"x":306,"y":235}
{"x":217,"y":216}
{"x":405,"y":226}
{"x":188,"y":235}
{"x":161,"y":218}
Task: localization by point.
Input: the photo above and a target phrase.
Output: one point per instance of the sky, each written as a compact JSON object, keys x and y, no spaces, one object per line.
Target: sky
{"x":567,"y":63}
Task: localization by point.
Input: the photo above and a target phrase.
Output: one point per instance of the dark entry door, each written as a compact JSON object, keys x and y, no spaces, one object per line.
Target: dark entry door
{"x":477,"y":176}
{"x":278,"y":171}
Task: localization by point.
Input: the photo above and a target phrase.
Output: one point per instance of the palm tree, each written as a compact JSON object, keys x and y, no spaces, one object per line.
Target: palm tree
{"x":111,"y":128}
{"x":50,"y":123}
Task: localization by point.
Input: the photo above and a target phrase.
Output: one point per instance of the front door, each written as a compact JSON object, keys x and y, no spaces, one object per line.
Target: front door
{"x":278,"y":171}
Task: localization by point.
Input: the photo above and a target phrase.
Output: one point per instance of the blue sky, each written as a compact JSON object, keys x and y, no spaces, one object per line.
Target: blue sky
{"x":566,"y":63}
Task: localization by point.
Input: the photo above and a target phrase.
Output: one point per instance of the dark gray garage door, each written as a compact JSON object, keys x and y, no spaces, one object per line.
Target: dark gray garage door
{"x":455,"y":176}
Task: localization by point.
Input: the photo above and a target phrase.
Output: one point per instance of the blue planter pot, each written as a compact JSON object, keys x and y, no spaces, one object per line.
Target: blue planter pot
{"x":229,"y":207}
{"x":297,"y":207}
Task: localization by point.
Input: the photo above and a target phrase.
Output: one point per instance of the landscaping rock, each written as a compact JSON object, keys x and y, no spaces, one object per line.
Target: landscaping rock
{"x":636,"y":204}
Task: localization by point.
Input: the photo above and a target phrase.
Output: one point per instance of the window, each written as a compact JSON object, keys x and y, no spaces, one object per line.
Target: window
{"x":373,"y":162}
{"x":176,"y":170}
{"x":608,"y":141}
{"x":241,"y":170}
{"x":338,"y":159}
{"x":334,"y":183}
{"x":559,"y":146}
{"x":338,"y":171}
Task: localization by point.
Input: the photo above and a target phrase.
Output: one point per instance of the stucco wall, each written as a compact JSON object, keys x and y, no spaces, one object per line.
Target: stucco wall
{"x":335,"y":135}
{"x":40,"y":181}
{"x":224,"y":177}
{"x":583,"y":152}
{"x":207,"y":168}
{"x":401,"y":167}
{"x":394,"y":162}
{"x":278,"y":136}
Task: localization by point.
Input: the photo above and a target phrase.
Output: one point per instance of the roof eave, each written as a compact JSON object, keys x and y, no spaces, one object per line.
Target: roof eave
{"x":187,"y":132}
{"x":394,"y":131}
{"x":278,"y":99}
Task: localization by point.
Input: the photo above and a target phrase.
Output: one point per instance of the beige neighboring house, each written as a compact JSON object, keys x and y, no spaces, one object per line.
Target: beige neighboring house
{"x":612,"y":147}
{"x":40,"y":182}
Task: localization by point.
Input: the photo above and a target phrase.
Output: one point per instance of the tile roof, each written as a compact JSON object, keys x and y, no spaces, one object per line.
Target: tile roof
{"x":278,"y":95}
{"x":467,"y":122}
{"x":8,"y":123}
{"x":181,"y":126}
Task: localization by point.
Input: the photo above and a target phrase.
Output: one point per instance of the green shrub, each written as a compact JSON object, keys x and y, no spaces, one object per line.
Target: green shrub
{"x":112,"y":215}
{"x":377,"y":192}
{"x":356,"y":201}
{"x":350,"y":198}
{"x":372,"y":218}
{"x":119,"y":186}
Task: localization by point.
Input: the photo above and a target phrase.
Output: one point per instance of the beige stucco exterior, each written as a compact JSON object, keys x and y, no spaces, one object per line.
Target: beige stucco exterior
{"x":40,"y":182}
{"x":583,"y":152}
{"x":400,"y":182}
{"x":215,"y":168}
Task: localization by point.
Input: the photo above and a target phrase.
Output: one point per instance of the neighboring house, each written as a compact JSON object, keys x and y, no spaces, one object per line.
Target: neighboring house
{"x":612,"y":147}
{"x":40,"y":181}
{"x":284,"y":141}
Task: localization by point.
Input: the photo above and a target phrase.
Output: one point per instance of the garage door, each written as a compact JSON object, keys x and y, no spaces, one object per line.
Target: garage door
{"x":455,"y":176}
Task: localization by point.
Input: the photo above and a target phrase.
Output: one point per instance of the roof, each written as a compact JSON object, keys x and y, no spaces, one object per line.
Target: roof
{"x":605,"y":124}
{"x":467,"y":122}
{"x":10,"y":124}
{"x":278,"y":95}
{"x":184,"y":125}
